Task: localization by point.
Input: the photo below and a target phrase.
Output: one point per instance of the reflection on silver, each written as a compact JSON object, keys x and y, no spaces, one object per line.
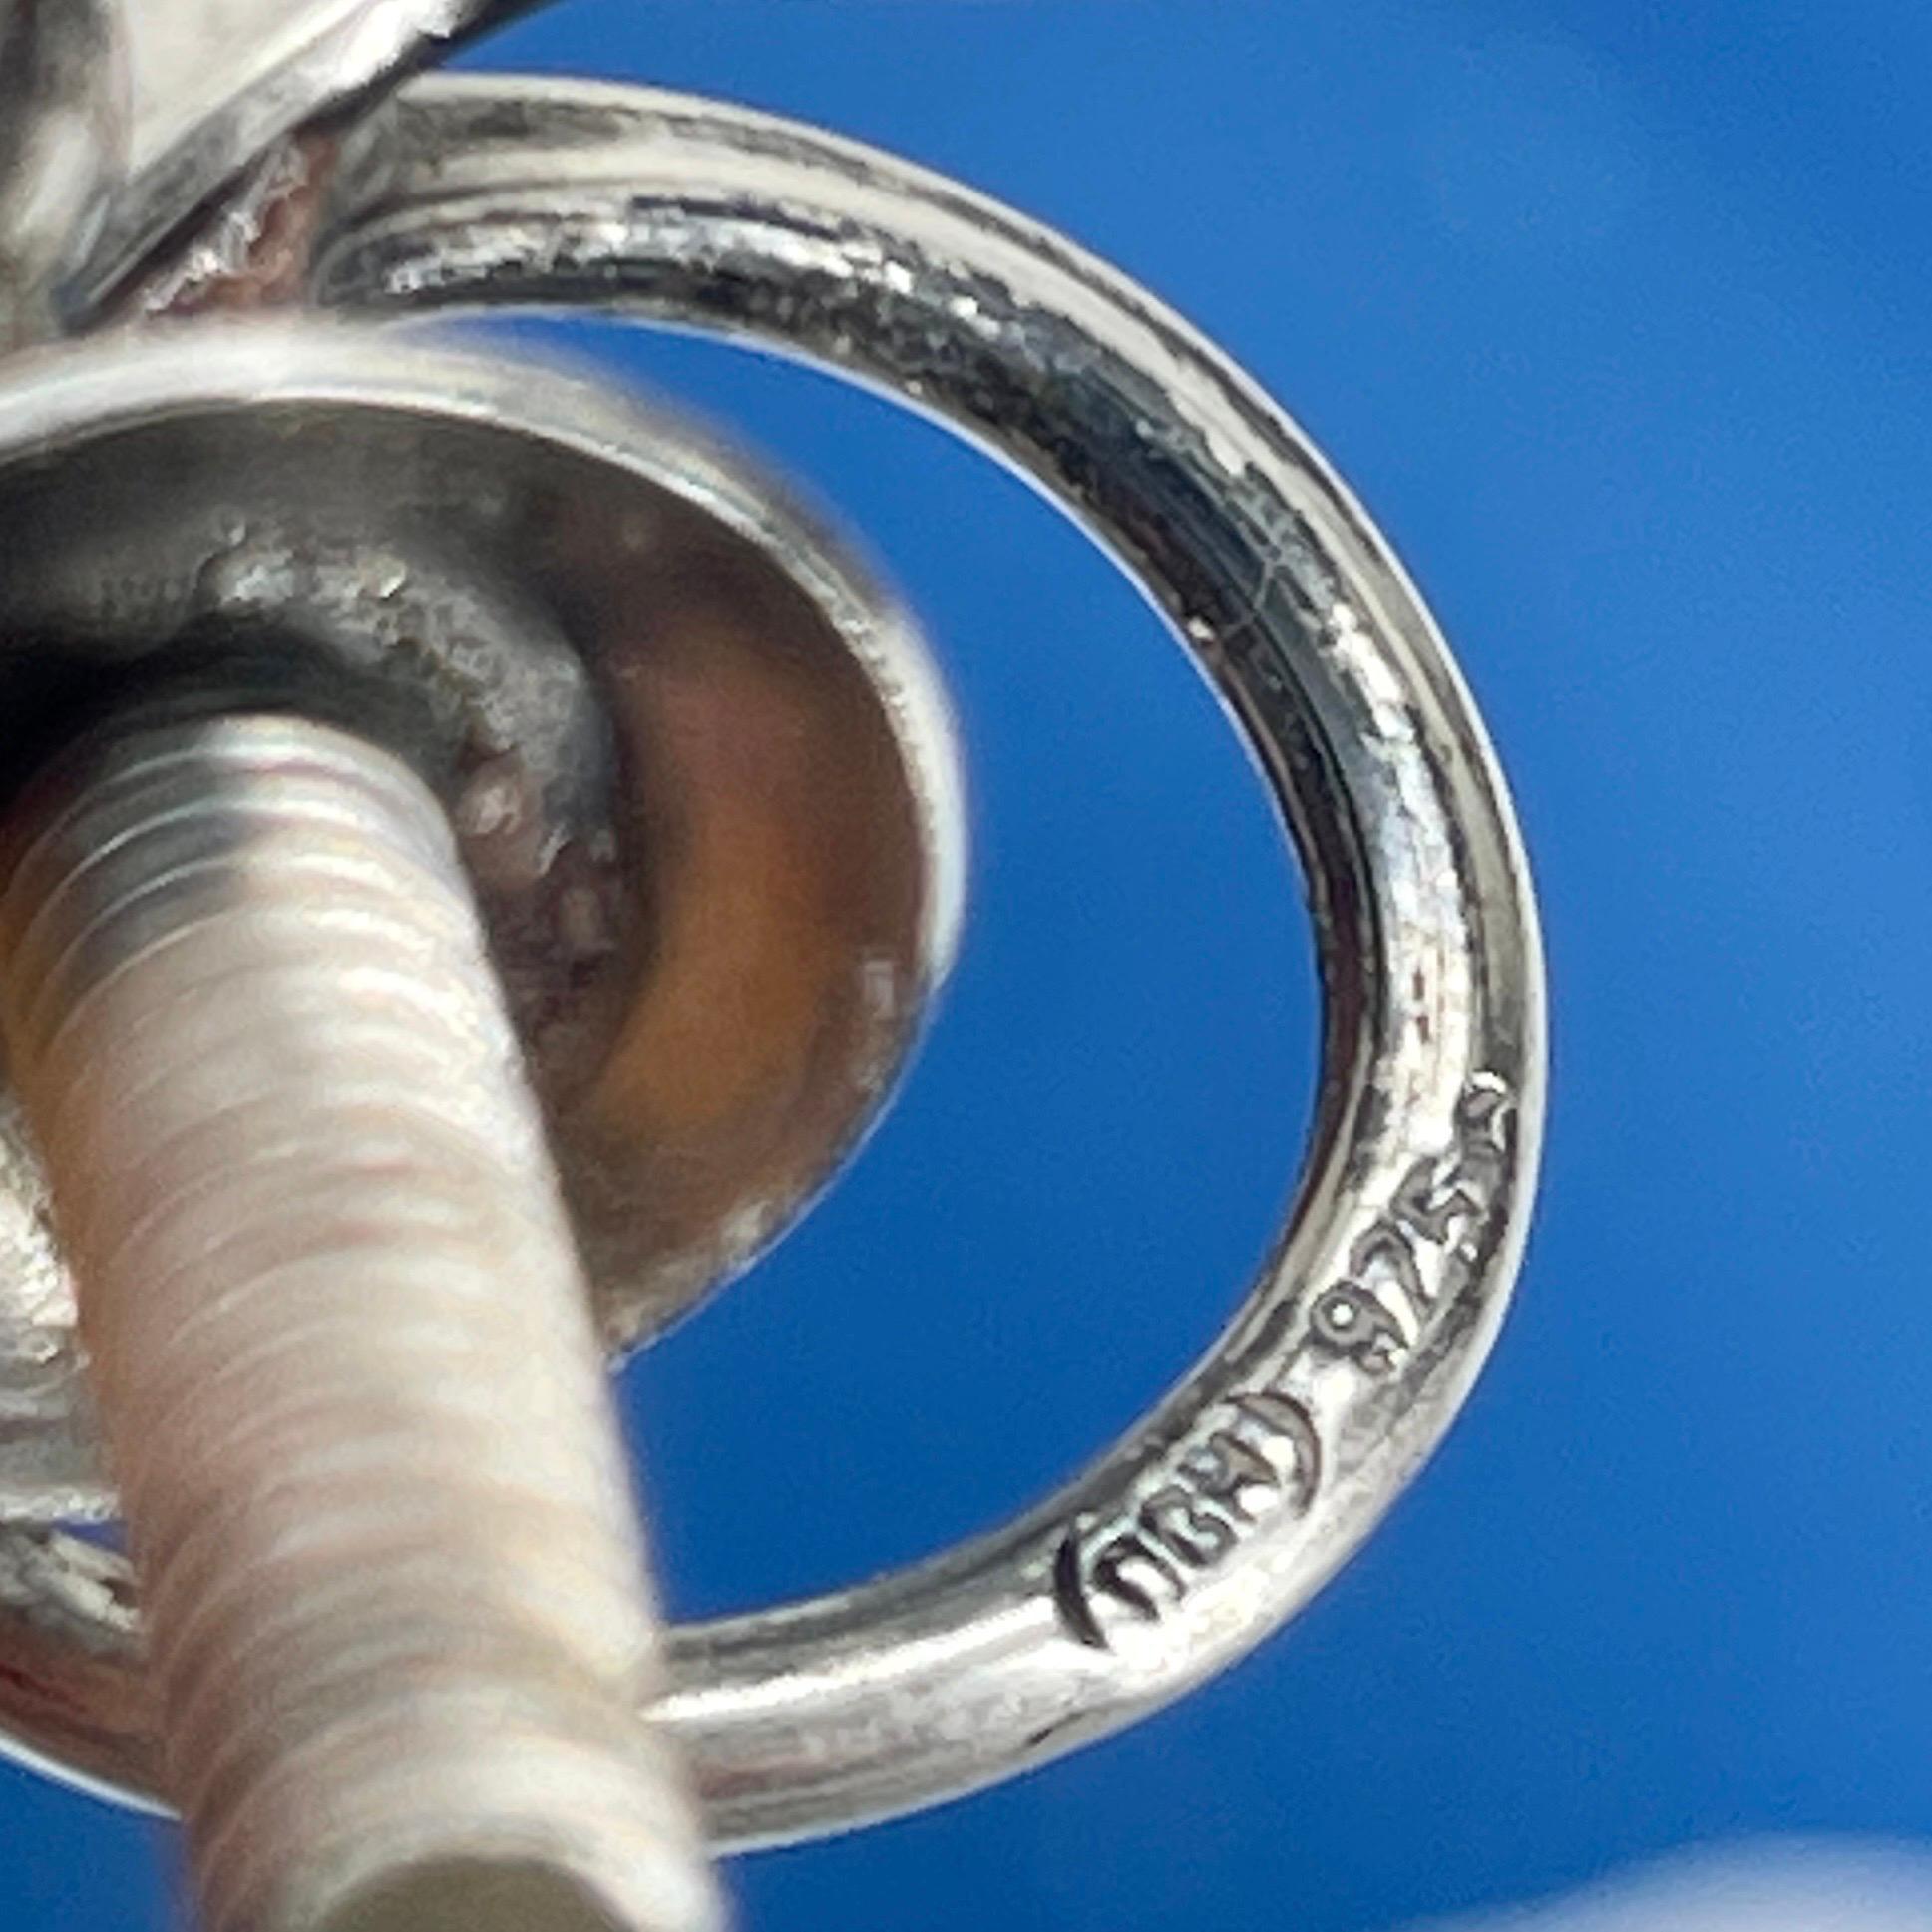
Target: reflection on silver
{"x":1223,"y":1512}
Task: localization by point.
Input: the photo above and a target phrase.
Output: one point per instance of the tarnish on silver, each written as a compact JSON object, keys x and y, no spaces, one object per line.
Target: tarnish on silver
{"x":1225,"y":1510}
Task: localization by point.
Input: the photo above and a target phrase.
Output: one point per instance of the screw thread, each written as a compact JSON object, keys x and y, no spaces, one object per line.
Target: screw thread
{"x":379,"y":1508}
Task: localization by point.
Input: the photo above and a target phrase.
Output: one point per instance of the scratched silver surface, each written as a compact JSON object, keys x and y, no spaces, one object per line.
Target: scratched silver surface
{"x":1223,"y":1512}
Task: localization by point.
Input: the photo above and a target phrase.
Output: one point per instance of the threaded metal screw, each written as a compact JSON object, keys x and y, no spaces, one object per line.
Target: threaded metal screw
{"x":378,"y":1503}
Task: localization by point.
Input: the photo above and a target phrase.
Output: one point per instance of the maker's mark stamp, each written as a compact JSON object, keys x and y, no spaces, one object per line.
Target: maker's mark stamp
{"x":1257,"y":1452}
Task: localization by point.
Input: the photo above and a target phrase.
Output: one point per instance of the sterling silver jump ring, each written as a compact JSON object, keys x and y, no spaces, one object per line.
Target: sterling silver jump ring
{"x":1224,"y":1511}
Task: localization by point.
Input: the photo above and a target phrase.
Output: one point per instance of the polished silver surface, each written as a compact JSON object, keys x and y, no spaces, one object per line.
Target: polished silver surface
{"x":1225,"y":1510}
{"x":394,"y":1594}
{"x":63,"y":147}
{"x":216,"y":83}
{"x":704,"y":779}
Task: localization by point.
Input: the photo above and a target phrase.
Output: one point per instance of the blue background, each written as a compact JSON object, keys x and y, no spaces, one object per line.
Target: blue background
{"x":1615,"y":315}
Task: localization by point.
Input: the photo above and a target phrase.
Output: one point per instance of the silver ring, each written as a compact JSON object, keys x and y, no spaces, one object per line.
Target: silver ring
{"x":1225,"y":1510}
